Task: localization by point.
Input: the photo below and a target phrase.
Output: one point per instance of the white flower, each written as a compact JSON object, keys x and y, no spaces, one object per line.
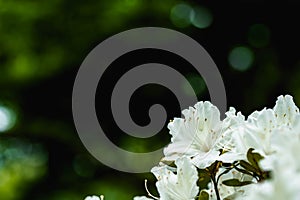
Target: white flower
{"x":233,"y":123}
{"x":179,"y":186}
{"x":198,"y":135}
{"x":257,"y":133}
{"x":141,"y":198}
{"x":287,"y":146}
{"x":286,"y":112}
{"x":285,"y":184}
{"x":94,"y":197}
{"x":263,"y":127}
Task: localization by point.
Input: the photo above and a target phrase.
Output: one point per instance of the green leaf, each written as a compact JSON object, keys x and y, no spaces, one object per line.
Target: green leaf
{"x":243,"y":171}
{"x":203,"y":196}
{"x":254,"y":158}
{"x":236,"y":183}
{"x":169,"y":163}
{"x":249,"y":167}
{"x":227,"y":165}
{"x":204,"y":179}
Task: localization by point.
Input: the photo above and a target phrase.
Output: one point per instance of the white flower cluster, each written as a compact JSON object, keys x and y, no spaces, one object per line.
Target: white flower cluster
{"x":253,"y":159}
{"x":101,"y":197}
{"x":232,"y":159}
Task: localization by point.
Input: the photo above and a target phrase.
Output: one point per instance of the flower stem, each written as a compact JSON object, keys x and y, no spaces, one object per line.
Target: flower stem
{"x":216,"y":187}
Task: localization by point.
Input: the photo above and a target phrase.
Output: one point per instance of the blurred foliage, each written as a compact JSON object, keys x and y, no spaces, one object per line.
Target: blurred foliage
{"x":21,"y":163}
{"x":42,"y":44}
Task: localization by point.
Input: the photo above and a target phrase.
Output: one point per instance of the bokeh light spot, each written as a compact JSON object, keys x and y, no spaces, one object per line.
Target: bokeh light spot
{"x":7,"y":118}
{"x":23,"y":67}
{"x":259,"y":35}
{"x":202,"y":17}
{"x":22,"y":163}
{"x":241,"y":58}
{"x":197,"y":84}
{"x":181,"y":15}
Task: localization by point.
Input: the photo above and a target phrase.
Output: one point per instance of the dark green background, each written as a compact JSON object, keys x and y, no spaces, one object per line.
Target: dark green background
{"x":42,"y":44}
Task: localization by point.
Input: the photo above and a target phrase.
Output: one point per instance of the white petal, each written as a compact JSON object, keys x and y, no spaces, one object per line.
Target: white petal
{"x":204,"y":160}
{"x":196,"y":134}
{"x":141,"y":198}
{"x":179,"y":186}
{"x":286,"y":110}
{"x":92,"y":198}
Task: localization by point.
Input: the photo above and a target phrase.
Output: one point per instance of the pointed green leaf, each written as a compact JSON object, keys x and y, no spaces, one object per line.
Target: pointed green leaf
{"x":249,"y":167}
{"x":254,"y":158}
{"x":236,"y":183}
{"x":203,"y":195}
{"x":243,"y":171}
